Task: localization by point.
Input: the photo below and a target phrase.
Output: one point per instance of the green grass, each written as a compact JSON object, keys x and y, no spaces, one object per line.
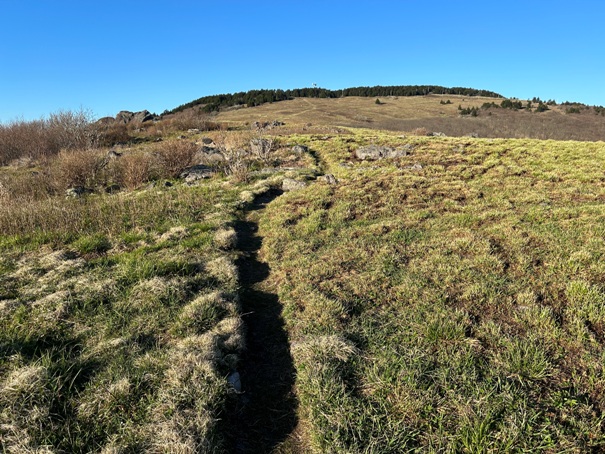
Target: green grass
{"x":120,"y":322}
{"x":457,"y":307}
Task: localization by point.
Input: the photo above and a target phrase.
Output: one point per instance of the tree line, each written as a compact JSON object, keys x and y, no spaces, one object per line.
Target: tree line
{"x":257,"y":97}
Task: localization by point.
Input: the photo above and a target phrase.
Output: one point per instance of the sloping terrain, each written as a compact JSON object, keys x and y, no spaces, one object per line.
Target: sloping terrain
{"x":450,"y":300}
{"x":447,"y":298}
{"x":406,"y":114}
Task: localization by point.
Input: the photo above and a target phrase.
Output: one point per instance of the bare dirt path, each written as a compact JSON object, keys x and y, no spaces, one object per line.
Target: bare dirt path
{"x":265,"y":414}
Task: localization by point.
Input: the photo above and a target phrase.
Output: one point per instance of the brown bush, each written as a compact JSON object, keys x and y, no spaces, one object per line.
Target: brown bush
{"x":184,"y":121}
{"x":26,"y":186}
{"x":46,"y":137}
{"x":112,"y":134}
{"x":71,"y":168}
{"x":136,"y":169}
{"x":173,"y":156}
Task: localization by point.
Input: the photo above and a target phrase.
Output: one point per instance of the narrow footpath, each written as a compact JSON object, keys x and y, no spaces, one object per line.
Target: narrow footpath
{"x":265,"y":414}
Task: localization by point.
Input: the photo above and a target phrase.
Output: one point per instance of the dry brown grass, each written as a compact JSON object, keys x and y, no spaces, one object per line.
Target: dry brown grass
{"x":326,"y":116}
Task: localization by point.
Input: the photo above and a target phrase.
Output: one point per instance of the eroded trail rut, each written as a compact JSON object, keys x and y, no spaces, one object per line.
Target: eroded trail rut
{"x":265,"y":414}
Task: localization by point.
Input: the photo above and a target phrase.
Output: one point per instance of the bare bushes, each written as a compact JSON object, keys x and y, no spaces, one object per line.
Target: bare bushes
{"x":46,"y":137}
{"x":80,"y":167}
{"x":172,"y":157}
{"x":192,"y":120}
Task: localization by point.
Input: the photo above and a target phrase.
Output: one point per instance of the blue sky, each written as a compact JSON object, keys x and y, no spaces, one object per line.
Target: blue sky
{"x":109,"y":55}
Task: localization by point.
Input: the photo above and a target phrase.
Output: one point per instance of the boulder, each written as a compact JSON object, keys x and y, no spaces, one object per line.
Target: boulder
{"x":78,"y":191}
{"x":124,"y":116}
{"x":328,"y":178}
{"x":300,"y":149}
{"x":290,"y":184}
{"x":196,"y":173}
{"x":143,"y":116}
{"x":207,"y":155}
{"x":207,"y":140}
{"x":375,"y":152}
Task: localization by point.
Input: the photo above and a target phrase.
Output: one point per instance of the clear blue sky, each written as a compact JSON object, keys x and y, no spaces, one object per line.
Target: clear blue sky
{"x":112,"y":55}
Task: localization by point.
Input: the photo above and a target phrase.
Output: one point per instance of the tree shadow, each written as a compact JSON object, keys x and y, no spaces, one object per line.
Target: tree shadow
{"x":265,"y":413}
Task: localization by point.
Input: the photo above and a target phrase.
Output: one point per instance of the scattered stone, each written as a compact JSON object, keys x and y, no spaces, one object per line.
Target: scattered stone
{"x":328,"y":178}
{"x":415,"y":167}
{"x":78,"y":191}
{"x":267,"y":124}
{"x":207,"y":140}
{"x":290,"y":184}
{"x":234,"y":380}
{"x":300,"y":149}
{"x":438,"y":134}
{"x":474,"y":135}
{"x":193,"y":131}
{"x":375,"y":152}
{"x":196,"y":173}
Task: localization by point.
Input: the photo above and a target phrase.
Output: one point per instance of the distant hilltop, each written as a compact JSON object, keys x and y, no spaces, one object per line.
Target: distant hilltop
{"x":257,"y":97}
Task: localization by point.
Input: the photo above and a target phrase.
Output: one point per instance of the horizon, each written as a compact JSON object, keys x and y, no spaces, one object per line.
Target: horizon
{"x":145,"y":55}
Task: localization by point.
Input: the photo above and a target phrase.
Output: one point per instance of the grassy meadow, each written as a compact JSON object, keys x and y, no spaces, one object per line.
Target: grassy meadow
{"x":449,"y":301}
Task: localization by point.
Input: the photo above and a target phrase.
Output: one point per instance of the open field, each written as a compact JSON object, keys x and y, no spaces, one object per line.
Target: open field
{"x":452,"y":307}
{"x":405,"y":114}
{"x":449,"y":300}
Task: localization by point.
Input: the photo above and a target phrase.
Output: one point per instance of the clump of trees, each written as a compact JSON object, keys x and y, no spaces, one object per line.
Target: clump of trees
{"x":472,"y":111}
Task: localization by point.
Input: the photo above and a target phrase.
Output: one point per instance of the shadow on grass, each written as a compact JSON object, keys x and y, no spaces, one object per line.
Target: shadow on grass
{"x":265,"y":413}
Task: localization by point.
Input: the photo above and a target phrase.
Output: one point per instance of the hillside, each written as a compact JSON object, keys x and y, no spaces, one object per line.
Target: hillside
{"x":409,"y":113}
{"x":203,"y":285}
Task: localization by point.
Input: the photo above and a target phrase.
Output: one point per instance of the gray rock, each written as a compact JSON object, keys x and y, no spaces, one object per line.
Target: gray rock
{"x":124,"y":116}
{"x":328,"y":178}
{"x":438,"y":134}
{"x":78,"y":191}
{"x":196,"y":173}
{"x":208,"y":155}
{"x":415,"y":167}
{"x":142,"y":116}
{"x":234,"y":380}
{"x":300,"y":149}
{"x":289,"y":184}
{"x":207,"y":140}
{"x":375,"y":152}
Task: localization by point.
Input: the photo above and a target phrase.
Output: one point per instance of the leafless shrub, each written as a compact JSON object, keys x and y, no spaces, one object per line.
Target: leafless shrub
{"x":46,"y":137}
{"x":174,"y":156}
{"x":235,"y":147}
{"x":262,"y":147}
{"x":192,"y":120}
{"x":136,"y":169}
{"x":73,"y":168}
{"x":112,"y":134}
{"x":72,"y":130}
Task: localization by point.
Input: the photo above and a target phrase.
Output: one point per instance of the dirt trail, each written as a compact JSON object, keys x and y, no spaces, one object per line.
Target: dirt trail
{"x":265,"y":415}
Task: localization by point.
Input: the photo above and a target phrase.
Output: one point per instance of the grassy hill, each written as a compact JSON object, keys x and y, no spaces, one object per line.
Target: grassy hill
{"x":447,"y":300}
{"x":406,"y":114}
